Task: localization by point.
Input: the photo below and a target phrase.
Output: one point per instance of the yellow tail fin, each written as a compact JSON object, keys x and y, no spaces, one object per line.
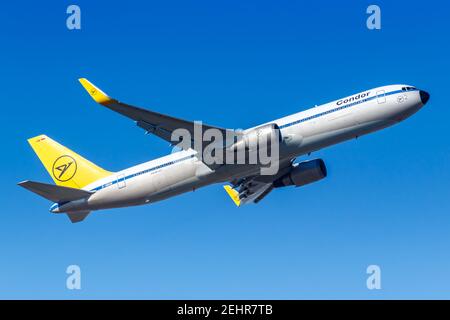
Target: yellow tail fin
{"x":67,"y":168}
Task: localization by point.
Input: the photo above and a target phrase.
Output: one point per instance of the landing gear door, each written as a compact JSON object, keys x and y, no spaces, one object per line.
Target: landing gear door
{"x":121,"y":183}
{"x":381,"y":96}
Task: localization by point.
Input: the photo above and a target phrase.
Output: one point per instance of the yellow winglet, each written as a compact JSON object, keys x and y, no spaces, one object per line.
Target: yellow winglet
{"x":98,"y":95}
{"x":234,"y":195}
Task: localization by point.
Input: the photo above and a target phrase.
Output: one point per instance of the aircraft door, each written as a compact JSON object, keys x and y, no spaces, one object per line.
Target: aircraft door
{"x":381,"y":96}
{"x":121,"y":183}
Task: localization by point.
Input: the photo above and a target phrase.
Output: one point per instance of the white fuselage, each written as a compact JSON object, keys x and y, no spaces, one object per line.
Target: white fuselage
{"x":301,"y":133}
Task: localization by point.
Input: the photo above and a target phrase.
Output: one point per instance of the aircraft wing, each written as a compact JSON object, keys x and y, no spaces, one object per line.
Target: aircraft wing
{"x":253,"y":189}
{"x":153,"y":122}
{"x":248,"y":192}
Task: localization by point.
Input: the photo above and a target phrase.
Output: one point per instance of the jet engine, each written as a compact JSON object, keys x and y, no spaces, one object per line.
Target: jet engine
{"x":260,"y":137}
{"x":303,"y":173}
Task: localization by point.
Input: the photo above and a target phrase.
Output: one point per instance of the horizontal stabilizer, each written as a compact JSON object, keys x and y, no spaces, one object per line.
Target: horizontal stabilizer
{"x":54,"y":193}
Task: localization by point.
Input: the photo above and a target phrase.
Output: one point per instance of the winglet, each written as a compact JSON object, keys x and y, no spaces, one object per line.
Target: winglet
{"x":234,"y":195}
{"x":98,"y":95}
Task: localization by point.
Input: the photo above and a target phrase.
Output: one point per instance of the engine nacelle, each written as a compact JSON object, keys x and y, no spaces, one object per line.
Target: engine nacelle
{"x":303,"y":173}
{"x":260,"y":137}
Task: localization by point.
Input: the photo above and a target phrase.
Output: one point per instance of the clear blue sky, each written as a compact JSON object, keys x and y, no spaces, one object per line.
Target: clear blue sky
{"x":234,"y":64}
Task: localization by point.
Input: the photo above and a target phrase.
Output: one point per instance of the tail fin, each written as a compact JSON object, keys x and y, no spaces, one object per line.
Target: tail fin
{"x":66,"y":168}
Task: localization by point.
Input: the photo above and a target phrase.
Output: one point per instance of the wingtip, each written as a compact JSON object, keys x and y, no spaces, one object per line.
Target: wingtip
{"x":98,"y":95}
{"x":22,"y":183}
{"x":234,"y":195}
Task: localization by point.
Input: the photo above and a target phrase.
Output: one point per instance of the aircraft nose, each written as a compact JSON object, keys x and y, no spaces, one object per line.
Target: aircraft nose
{"x":424,"y":96}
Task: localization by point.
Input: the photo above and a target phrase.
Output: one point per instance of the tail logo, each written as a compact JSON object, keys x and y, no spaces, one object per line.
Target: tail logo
{"x":64,"y":168}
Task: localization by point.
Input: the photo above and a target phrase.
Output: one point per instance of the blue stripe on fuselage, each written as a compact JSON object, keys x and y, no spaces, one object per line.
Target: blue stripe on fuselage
{"x":110,"y":183}
{"x":339,"y":108}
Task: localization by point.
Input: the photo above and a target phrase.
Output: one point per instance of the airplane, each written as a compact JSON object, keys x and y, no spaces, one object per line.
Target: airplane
{"x":82,"y":187}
